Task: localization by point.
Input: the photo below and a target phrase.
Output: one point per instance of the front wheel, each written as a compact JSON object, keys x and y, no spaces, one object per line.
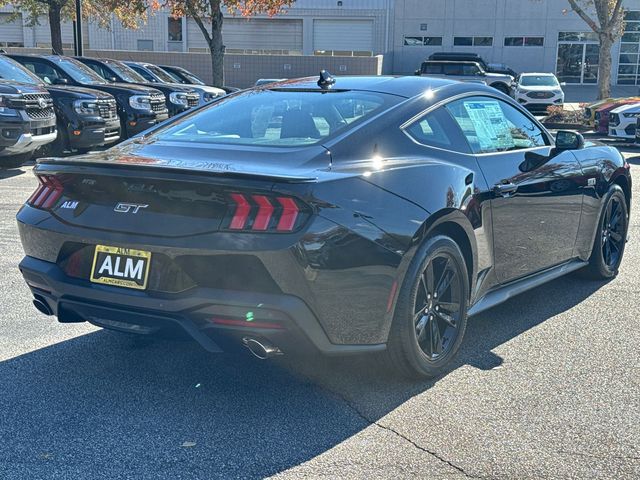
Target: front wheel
{"x":611,"y":236}
{"x":431,"y":312}
{"x":501,"y":87}
{"x":15,"y":161}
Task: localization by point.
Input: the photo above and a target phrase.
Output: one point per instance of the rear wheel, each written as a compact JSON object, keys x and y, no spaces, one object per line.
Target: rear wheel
{"x":15,"y":161}
{"x":611,"y":236}
{"x":431,"y":313}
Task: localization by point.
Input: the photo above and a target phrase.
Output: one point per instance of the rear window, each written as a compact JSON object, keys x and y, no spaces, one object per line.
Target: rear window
{"x":277,"y":117}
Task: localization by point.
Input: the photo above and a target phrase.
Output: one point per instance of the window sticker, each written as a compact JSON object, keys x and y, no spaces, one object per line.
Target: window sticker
{"x":490,"y":124}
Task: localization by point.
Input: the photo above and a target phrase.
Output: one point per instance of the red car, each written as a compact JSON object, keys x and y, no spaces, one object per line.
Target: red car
{"x":602,"y":114}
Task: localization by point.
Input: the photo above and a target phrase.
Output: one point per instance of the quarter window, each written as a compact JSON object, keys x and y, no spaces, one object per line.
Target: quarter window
{"x":491,"y":125}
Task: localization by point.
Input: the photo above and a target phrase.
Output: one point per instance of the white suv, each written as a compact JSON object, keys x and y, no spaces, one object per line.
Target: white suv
{"x":537,"y":91}
{"x":622,"y":121}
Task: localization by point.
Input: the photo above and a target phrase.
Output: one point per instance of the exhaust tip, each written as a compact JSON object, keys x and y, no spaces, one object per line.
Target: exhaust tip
{"x":260,"y":348}
{"x":42,"y":306}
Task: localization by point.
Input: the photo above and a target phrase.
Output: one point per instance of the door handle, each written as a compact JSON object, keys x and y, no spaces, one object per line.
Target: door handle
{"x":505,"y":189}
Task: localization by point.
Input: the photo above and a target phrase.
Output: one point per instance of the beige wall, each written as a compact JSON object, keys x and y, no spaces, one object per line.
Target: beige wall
{"x":243,"y":70}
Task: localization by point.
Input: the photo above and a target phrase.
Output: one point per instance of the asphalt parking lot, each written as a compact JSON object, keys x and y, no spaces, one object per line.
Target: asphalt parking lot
{"x":546,"y":386}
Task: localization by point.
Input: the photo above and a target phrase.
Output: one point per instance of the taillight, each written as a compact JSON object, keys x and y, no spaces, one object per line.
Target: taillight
{"x":262,"y":213}
{"x":47,"y":193}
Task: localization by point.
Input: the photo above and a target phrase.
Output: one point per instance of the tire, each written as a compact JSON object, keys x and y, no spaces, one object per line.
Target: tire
{"x":59,"y":145}
{"x":417,"y":330}
{"x":501,"y":87}
{"x":15,"y":161}
{"x":611,"y":236}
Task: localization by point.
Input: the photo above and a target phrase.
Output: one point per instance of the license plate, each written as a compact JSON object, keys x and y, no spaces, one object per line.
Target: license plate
{"x":121,"y":267}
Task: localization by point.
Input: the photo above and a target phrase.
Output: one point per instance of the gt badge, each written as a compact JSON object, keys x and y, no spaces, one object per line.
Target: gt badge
{"x":128,"y":207}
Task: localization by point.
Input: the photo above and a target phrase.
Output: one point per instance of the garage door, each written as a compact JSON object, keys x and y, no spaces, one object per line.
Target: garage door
{"x":11,"y":31}
{"x":343,"y":35}
{"x":262,"y":34}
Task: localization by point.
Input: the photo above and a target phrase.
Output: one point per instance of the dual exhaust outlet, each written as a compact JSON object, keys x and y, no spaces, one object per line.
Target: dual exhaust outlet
{"x":261,"y":348}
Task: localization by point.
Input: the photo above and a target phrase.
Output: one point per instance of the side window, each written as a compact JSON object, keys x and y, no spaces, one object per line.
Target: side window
{"x":432,"y":68}
{"x":491,"y":125}
{"x":453,"y":69}
{"x":436,"y":129}
{"x":43,"y":70}
{"x":470,"y":70}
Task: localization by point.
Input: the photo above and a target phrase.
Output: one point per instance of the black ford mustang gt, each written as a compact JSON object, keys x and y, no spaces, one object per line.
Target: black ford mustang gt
{"x":357,"y":214}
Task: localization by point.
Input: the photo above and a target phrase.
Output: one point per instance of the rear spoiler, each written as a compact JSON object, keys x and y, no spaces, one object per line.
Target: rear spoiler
{"x":137,"y":164}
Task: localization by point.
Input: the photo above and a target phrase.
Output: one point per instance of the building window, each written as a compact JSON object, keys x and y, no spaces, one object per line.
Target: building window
{"x":145,"y":45}
{"x":577,"y":37}
{"x":628,"y":60}
{"x":523,"y":41}
{"x":422,"y":41}
{"x":175,"y":29}
{"x":473,"y":41}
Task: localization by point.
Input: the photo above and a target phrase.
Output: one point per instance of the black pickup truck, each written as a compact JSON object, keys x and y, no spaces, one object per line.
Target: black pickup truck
{"x":179,"y":97}
{"x":138,"y":107}
{"x":27,"y":121}
{"x":86,"y":118}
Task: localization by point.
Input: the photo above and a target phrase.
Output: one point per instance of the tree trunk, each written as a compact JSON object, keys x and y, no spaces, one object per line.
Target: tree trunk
{"x":55,"y":27}
{"x":604,"y":65}
{"x":217,"y":48}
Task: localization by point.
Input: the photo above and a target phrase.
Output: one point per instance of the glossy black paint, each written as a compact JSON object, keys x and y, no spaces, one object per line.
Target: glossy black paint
{"x":374,"y":193}
{"x":133,"y":121}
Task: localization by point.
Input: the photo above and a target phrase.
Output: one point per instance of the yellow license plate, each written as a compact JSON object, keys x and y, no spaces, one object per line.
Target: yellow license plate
{"x":121,"y":267}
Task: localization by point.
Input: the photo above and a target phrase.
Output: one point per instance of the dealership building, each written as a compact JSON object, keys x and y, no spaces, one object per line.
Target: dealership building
{"x":527,"y":35}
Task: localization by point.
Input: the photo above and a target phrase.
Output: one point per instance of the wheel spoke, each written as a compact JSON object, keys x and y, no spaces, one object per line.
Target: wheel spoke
{"x":429,"y":278}
{"x":445,"y":279}
{"x":420,"y":328}
{"x":451,"y":307}
{"x":607,"y":253}
{"x":607,"y":215}
{"x":615,"y":236}
{"x":446,"y":317}
{"x":423,"y":285}
{"x":436,"y":337}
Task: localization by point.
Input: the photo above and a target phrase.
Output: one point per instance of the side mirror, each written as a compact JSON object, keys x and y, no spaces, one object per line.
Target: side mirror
{"x":60,"y":81}
{"x":563,"y":84}
{"x":418,"y":72}
{"x":567,"y":140}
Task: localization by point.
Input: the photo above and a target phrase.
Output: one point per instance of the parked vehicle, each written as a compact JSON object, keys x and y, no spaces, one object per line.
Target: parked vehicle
{"x":622,"y":121}
{"x":156,"y":75}
{"x":467,"y":72}
{"x":537,"y":91}
{"x":182,"y":75}
{"x":591,"y":109}
{"x":602,"y":113}
{"x":179,"y":98}
{"x":27,"y":121}
{"x":85,"y":118}
{"x":371,"y":218}
{"x":474,"y":57}
{"x":138,"y":107}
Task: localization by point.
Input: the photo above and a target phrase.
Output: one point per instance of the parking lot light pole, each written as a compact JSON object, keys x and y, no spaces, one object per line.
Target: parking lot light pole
{"x":78,"y":32}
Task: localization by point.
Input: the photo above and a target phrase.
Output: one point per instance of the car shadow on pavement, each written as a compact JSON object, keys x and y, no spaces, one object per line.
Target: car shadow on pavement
{"x":111,"y":406}
{"x":13,"y":172}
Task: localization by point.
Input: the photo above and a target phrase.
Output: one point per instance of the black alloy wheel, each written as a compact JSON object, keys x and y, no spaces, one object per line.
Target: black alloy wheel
{"x":430,"y":315}
{"x":613,"y":232}
{"x":611,"y":236}
{"x":437,"y":306}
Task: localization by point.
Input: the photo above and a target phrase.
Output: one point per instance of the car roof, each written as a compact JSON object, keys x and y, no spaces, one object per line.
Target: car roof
{"x":624,"y":108}
{"x":404,"y":86}
{"x":534,"y":74}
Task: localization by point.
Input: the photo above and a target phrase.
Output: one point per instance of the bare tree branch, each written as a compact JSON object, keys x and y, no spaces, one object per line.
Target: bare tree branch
{"x":583,"y":15}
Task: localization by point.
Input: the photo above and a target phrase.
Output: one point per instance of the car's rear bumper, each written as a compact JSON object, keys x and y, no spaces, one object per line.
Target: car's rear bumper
{"x":210,"y":316}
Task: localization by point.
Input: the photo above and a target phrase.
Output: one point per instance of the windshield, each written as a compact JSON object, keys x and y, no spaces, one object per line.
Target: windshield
{"x":538,"y":81}
{"x":277,"y":117}
{"x":10,"y":70}
{"x":79,"y":71}
{"x":126,"y":73}
{"x":191,"y":77}
{"x":161,"y":74}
